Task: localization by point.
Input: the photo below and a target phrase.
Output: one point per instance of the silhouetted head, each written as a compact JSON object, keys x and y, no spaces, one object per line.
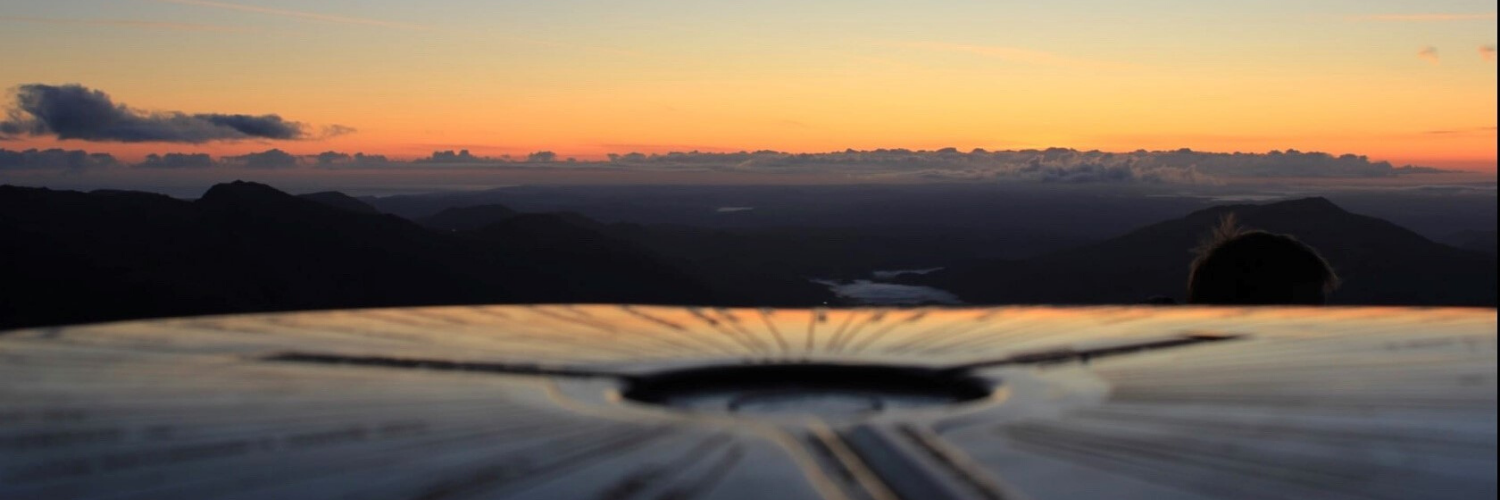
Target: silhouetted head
{"x":1257,"y":267}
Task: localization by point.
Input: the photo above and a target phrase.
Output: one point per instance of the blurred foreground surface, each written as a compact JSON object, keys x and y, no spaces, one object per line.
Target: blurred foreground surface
{"x":660,"y":402}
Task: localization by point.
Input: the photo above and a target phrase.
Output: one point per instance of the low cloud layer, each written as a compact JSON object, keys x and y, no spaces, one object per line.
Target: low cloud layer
{"x":78,"y":112}
{"x":1048,"y":165}
{"x":274,"y":158}
{"x":177,"y":160}
{"x":54,"y":159}
{"x":1054,"y":165}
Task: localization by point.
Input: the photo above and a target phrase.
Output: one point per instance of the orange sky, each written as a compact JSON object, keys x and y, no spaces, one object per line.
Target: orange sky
{"x":1404,"y":82}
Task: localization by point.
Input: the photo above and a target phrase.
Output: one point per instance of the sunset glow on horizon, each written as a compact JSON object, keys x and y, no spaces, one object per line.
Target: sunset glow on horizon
{"x":1405,"y":82}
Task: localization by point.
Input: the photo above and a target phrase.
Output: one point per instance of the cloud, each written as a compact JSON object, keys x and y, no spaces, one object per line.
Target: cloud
{"x":294,"y":14}
{"x":1487,"y":52}
{"x":331,"y":158}
{"x":177,"y":160}
{"x":364,"y":160}
{"x":1429,"y":54}
{"x":330,"y":131}
{"x":1055,"y":165}
{"x":1424,"y":17}
{"x":1463,"y":131}
{"x":460,"y":156}
{"x":1052,"y":165}
{"x":338,"y":159}
{"x":1018,"y":55}
{"x":78,"y":112}
{"x":54,"y":159}
{"x":271,"y":158}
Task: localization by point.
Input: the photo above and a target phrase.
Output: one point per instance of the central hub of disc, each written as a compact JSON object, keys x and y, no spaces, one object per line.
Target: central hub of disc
{"x":816,"y":389}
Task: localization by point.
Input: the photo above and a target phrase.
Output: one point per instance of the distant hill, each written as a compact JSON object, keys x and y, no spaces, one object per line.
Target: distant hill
{"x":1379,"y":262}
{"x":68,"y":257}
{"x":1478,"y":241}
{"x":340,"y":200}
{"x":467,"y":218}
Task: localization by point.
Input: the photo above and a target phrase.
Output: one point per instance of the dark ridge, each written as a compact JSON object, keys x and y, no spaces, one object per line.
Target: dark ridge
{"x":1476,"y":241}
{"x":1378,"y":262}
{"x":468,"y":218}
{"x":341,"y":201}
{"x":70,"y":257}
{"x":243,"y":192}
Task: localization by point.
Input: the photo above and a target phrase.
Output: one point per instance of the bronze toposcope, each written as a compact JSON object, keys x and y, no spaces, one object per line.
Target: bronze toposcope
{"x":636,"y":402}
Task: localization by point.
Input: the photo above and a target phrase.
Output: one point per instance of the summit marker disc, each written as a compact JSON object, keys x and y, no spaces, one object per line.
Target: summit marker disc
{"x":617,"y":402}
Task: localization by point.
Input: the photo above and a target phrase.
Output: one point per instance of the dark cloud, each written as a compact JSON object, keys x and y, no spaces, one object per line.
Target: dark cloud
{"x":331,"y":158}
{"x":460,"y":156}
{"x":271,"y":158}
{"x":78,"y":112}
{"x":1487,"y":52}
{"x":338,"y":159}
{"x":54,"y":159}
{"x":362,"y":159}
{"x":177,"y":160}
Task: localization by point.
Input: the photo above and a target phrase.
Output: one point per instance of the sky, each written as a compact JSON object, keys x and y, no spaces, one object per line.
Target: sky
{"x":1405,"y":82}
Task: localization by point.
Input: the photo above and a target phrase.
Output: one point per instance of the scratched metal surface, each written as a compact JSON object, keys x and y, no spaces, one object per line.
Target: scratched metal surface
{"x":523,"y":402}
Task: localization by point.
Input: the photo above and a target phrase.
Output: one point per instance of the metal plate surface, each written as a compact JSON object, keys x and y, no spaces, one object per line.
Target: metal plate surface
{"x":544,"y":402}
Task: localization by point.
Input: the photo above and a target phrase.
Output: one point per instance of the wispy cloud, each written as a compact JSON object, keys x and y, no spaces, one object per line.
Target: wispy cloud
{"x":1019,"y":55}
{"x":1463,"y":131}
{"x":1424,"y":17}
{"x":1429,"y":54}
{"x":1487,"y":52}
{"x":129,"y":23}
{"x":295,"y":14}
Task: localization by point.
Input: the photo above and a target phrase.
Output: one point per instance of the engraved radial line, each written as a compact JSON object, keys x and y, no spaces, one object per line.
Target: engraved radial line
{"x":931,"y":334}
{"x":847,"y":465}
{"x":734,"y":323}
{"x":850,"y":335}
{"x":1015,"y":330}
{"x":765,"y":317}
{"x":715,"y":325}
{"x":438,"y":316}
{"x":633,"y":340}
{"x":710,"y":342}
{"x":490,"y":311}
{"x":958,"y":463}
{"x":875,"y":335}
{"x":631,"y":484}
{"x":589,"y":453}
{"x":828,"y":345}
{"x":710,"y":478}
{"x":898,"y":465}
{"x":819,"y":315}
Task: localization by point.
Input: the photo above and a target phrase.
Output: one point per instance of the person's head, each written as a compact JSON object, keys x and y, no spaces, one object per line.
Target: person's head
{"x":1256,"y":267}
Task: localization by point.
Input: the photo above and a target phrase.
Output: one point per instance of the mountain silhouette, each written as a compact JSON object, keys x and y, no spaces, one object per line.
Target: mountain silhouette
{"x":69,"y":257}
{"x":468,"y":218}
{"x":1478,"y":241}
{"x":1378,"y":262}
{"x":340,"y":200}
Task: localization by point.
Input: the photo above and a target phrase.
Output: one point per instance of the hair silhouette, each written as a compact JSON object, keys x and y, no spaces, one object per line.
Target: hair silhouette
{"x":1237,"y":266}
